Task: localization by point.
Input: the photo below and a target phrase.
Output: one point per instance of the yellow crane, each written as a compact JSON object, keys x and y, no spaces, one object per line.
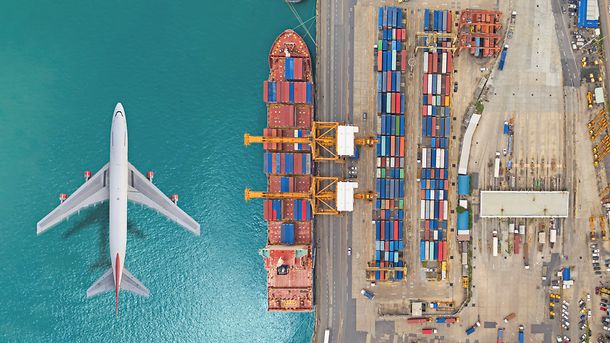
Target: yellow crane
{"x":597,"y":118}
{"x":605,"y":141}
{"x":602,"y":125}
{"x":592,"y":226}
{"x":323,"y":141}
{"x":322,"y":195}
{"x":429,"y":40}
{"x":602,"y":290}
{"x":590,"y":98}
{"x":604,"y":192}
{"x":602,"y":224}
{"x":597,"y":157}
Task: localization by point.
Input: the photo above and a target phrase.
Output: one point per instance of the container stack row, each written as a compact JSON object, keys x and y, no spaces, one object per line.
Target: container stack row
{"x":287,"y":92}
{"x":436,"y":130}
{"x":480,"y":32}
{"x":388,"y":215}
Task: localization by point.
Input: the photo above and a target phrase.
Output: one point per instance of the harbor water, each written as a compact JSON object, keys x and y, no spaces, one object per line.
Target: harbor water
{"x":189,"y":75}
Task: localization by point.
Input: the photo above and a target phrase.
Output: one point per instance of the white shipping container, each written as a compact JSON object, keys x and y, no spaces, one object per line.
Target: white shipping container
{"x":494,"y":247}
{"x":511,"y":227}
{"x":443,"y":274}
{"x":553,"y":236}
{"x":445,"y":209}
{"x":427,"y":251}
{"x":393,"y":59}
{"x":429,"y":86}
{"x":464,"y":258}
{"x":391,"y":162}
{"x":439,"y":153}
{"x":430,"y":110}
{"x":393,"y":34}
{"x":378,"y":162}
{"x":423,"y":157}
{"x":378,"y":173}
{"x":422,"y":211}
{"x":444,"y":63}
{"x":425,"y":62}
{"x":435,"y":235}
{"x":438,"y":83}
{"x":432,"y":195}
{"x":432,"y":213}
{"x":388,"y":102}
{"x":522,"y":229}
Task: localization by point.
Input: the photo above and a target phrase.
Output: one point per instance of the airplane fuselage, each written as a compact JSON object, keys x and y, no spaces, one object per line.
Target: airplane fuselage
{"x":118,"y":170}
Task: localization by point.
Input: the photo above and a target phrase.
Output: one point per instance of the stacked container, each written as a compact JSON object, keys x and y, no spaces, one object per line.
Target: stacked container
{"x":388,"y":215}
{"x":436,"y":129}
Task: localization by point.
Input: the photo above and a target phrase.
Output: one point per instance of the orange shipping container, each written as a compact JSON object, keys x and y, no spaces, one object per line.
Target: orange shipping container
{"x":402,"y":146}
{"x":392,"y":145}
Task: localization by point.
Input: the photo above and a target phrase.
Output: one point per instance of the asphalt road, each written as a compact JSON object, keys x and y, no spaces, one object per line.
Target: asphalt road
{"x":571,"y":74}
{"x":335,"y":309}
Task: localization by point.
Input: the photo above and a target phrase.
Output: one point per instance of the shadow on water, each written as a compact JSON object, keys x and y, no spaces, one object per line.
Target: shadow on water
{"x":98,"y":216}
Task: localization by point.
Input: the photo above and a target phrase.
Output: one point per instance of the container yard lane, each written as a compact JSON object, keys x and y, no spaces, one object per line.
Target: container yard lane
{"x":335,"y":308}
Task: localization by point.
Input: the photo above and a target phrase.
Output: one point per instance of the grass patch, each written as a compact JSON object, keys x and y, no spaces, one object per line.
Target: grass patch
{"x":479,"y":107}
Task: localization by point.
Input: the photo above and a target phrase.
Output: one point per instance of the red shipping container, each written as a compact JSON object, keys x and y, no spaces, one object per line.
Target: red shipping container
{"x":434,"y":62}
{"x":382,"y":236}
{"x":397,"y":95}
{"x":433,"y":126}
{"x":424,"y":110}
{"x":440,"y":250}
{"x":267,"y":209}
{"x":441,"y":209}
{"x":449,"y":21}
{"x":449,"y":62}
{"x":516,"y":244}
{"x":379,"y":58}
{"x":387,"y":246}
{"x":265,"y":91}
{"x":283,"y":163}
{"x":404,"y":34}
{"x":425,"y":84}
{"x":285,"y":91}
{"x":396,"y":230}
{"x":445,"y":249}
{"x":448,"y":84}
{"x":430,"y":98}
{"x":403,"y":60}
{"x":427,"y":234}
{"x":430,"y":63}
{"x":298,"y":69}
{"x":402,"y":146}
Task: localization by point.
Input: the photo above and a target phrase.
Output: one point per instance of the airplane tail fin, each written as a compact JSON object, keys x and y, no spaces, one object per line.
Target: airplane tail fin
{"x":128,"y":282}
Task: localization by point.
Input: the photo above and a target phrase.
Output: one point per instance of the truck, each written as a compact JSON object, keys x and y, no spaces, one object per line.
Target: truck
{"x":494,"y":246}
{"x":509,"y":317}
{"x":418,"y":320}
{"x":428,"y":331}
{"x":521,"y":334}
{"x":553,"y":236}
{"x":497,"y":165}
{"x":506,"y":127}
{"x":367,"y":294}
{"x":500,"y":334}
{"x":470,"y":330}
{"x":589,"y":99}
{"x":503,"y":57}
{"x":327,"y":336}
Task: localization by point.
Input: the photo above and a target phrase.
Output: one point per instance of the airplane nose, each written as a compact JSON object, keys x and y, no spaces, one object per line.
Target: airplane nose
{"x":119,"y":109}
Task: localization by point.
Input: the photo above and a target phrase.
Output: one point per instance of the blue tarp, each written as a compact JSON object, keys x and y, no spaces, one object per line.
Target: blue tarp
{"x":462,"y":221}
{"x":582,"y":16}
{"x":464,"y":185}
{"x":566,"y":273}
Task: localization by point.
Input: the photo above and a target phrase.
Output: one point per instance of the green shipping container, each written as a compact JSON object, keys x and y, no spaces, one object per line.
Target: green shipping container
{"x":400,"y":204}
{"x":402,"y":173}
{"x":383,"y":173}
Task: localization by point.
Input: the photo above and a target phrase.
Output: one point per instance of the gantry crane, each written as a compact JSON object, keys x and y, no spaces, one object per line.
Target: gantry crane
{"x":323,"y":141}
{"x":602,"y":144}
{"x":430,"y":41}
{"x":602,"y":125}
{"x":322,"y":195}
{"x":602,"y":224}
{"x":597,"y":118}
{"x":592,"y":227}
{"x":371,"y":269}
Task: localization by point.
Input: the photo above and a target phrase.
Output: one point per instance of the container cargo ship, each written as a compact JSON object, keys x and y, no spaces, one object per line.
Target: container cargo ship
{"x":288,"y":94}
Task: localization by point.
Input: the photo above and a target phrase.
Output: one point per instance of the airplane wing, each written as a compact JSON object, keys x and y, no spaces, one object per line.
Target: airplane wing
{"x":144,"y":192}
{"x":93,"y":191}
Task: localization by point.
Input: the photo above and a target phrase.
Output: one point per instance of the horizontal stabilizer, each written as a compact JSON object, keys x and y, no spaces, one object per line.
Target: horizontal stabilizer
{"x":128,"y":282}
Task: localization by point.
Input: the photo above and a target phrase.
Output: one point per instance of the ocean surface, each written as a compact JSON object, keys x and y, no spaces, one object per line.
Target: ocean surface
{"x":189,"y":75}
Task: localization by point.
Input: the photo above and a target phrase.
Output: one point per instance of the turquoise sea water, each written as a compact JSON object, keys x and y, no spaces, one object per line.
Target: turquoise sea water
{"x":190,"y":75}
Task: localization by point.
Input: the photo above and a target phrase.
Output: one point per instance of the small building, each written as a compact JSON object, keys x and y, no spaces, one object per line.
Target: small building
{"x":588,"y":14}
{"x":599,"y":95}
{"x":416,"y":309}
{"x":524,"y":204}
{"x":464,"y":185}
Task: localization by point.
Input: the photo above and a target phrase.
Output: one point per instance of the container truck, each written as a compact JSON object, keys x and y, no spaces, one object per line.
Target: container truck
{"x":506,"y":127}
{"x":521,"y":334}
{"x":494,"y":247}
{"x":497,"y":165}
{"x":503,"y":57}
{"x":428,"y":331}
{"x":500,"y":334}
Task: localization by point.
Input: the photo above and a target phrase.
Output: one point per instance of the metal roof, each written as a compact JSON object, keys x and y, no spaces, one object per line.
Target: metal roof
{"x":588,"y":14}
{"x":345,"y":196}
{"x":463,"y":184}
{"x":524,"y":204}
{"x":345,"y":140}
{"x":467,"y":142}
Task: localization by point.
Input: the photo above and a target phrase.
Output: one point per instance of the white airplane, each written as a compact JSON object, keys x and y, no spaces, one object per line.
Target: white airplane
{"x":117,"y":182}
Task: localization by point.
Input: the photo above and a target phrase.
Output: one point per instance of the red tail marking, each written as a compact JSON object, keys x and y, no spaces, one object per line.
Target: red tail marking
{"x":116,"y":282}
